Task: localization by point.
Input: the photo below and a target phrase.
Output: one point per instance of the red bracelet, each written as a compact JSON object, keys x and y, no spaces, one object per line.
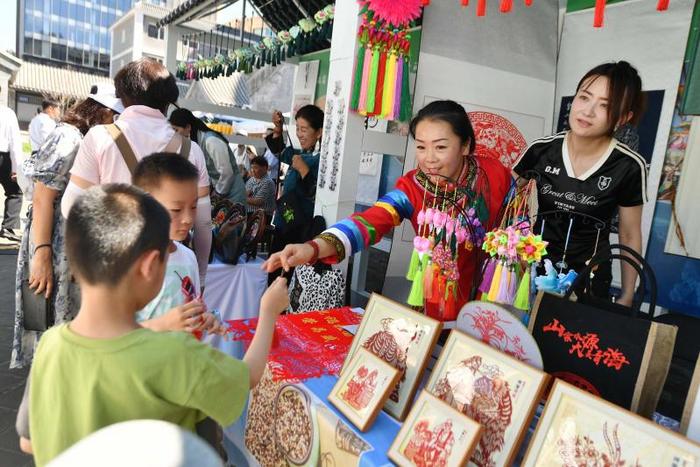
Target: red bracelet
{"x":314,"y":245}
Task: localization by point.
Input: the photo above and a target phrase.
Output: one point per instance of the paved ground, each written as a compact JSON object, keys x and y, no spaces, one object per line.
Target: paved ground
{"x":11,"y":381}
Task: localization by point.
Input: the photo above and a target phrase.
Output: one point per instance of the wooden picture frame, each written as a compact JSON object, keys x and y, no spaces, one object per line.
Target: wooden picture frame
{"x":363,"y":387}
{"x":456,"y":434}
{"x":491,"y":387}
{"x":402,"y":337}
{"x":578,"y":425}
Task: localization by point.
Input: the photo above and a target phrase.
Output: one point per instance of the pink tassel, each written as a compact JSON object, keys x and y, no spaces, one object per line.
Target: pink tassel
{"x":488,"y":276}
{"x":512,"y":287}
{"x":502,"y":295}
{"x":362,"y":108}
{"x":528,"y":2}
{"x":399,"y":81}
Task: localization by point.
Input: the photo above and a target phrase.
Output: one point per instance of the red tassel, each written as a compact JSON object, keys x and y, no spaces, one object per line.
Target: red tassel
{"x":380,"y":87}
{"x":506,"y":6}
{"x":425,"y":2}
{"x":528,"y":2}
{"x":662,"y":5}
{"x":465,"y":2}
{"x":481,"y":8}
{"x":599,"y":13}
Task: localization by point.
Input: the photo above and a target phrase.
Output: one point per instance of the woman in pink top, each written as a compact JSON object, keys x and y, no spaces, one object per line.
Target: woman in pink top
{"x":146,"y":89}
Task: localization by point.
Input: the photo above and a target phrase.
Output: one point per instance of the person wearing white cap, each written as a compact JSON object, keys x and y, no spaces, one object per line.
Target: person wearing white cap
{"x":42,"y":267}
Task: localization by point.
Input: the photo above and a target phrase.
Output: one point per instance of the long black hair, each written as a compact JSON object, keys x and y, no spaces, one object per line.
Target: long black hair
{"x":182,"y":117}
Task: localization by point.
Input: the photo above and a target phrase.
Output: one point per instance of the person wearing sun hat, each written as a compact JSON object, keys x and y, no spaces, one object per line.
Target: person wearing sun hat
{"x":41,"y":259}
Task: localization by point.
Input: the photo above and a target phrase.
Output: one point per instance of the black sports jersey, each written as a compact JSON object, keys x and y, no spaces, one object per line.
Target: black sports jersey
{"x":619,"y":178}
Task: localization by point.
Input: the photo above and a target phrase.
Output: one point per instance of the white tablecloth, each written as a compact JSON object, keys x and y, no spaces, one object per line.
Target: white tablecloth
{"x":235,"y":291}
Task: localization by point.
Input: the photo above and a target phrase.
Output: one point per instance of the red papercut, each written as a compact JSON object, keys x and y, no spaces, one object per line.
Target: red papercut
{"x":585,"y":346}
{"x":306,"y":345}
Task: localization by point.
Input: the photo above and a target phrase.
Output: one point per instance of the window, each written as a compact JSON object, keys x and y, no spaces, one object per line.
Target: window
{"x":75,"y":55}
{"x":58,"y":52}
{"x":154,"y":32}
{"x":28,"y":43}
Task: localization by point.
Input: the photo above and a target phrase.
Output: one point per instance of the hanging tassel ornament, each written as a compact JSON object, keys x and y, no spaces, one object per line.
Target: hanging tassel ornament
{"x":481,"y":8}
{"x":506,"y":6}
{"x":364,"y":86}
{"x":599,"y":13}
{"x":495,"y":282}
{"x":522,"y":296}
{"x":359,"y":67}
{"x":465,"y":3}
{"x":489,"y":271}
{"x":662,"y":5}
{"x":528,"y":2}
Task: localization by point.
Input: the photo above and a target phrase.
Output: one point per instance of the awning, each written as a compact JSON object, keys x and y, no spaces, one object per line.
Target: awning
{"x":278,"y":14}
{"x":55,"y":81}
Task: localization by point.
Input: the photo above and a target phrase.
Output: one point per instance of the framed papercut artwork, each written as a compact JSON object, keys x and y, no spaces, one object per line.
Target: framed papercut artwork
{"x":578,"y":428}
{"x":434,"y":434}
{"x":400,"y":337}
{"x":496,"y":390}
{"x":363,"y":387}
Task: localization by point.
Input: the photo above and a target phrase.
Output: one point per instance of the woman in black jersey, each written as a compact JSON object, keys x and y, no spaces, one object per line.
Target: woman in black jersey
{"x":587,"y":170}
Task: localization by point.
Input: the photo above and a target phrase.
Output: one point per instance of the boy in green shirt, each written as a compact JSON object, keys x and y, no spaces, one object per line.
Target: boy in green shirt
{"x":103,"y":368}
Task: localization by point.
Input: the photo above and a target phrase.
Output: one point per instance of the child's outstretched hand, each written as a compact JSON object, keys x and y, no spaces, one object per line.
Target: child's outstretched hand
{"x":185,"y":317}
{"x":211,"y":324}
{"x":276,"y":298}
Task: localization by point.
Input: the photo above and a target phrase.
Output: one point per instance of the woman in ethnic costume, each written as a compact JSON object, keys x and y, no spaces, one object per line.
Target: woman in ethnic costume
{"x":449,"y":172}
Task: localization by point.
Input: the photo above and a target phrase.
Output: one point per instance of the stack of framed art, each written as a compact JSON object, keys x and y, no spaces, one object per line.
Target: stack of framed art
{"x":479,"y":401}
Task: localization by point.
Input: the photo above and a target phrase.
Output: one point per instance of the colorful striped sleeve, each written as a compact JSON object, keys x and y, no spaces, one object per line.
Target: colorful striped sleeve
{"x":366,"y":228}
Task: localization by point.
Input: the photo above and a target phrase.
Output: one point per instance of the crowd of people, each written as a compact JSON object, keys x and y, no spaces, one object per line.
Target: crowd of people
{"x":117,"y":185}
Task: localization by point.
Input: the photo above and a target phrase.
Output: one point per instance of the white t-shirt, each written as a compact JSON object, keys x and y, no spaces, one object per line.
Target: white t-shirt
{"x":99,"y":161}
{"x":39,"y":129}
{"x":180,"y":285}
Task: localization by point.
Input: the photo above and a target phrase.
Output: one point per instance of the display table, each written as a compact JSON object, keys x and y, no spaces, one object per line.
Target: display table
{"x":235,"y":290}
{"x":307,"y":354}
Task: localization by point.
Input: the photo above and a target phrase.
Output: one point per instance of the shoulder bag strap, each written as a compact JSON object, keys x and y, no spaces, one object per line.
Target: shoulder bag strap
{"x":179,"y":142}
{"x":123,"y":146}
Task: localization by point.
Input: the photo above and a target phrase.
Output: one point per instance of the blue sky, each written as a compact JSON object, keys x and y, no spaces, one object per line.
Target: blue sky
{"x":8,"y":25}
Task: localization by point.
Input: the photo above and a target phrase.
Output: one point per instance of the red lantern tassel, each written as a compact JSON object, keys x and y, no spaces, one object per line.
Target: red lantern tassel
{"x":465,"y":2}
{"x":425,"y":2}
{"x":599,"y":13}
{"x":481,"y":8}
{"x":662,"y":5}
{"x":379,"y":92}
{"x":506,"y":6}
{"x":528,"y":2}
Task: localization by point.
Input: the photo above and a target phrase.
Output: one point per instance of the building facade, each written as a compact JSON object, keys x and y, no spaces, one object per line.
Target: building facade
{"x":71,"y":33}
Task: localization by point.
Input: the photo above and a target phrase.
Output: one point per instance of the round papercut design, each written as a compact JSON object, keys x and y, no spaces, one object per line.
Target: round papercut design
{"x":497,"y":137}
{"x":496,"y":326}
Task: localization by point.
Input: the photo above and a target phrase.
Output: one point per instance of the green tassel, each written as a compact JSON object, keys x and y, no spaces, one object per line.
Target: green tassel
{"x":357,"y":82}
{"x":413,"y":265}
{"x":522,"y":298}
{"x":406,"y":111}
{"x":415,"y":298}
{"x":372,"y":86}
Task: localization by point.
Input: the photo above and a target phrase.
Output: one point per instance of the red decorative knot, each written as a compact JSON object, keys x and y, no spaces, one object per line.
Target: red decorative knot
{"x":528,"y":2}
{"x":465,"y":2}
